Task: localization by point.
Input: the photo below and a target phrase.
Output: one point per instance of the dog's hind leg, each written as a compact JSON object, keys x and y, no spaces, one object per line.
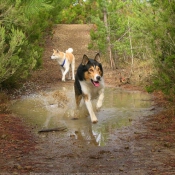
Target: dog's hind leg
{"x":73,"y":68}
{"x":78,"y":92}
{"x":69,"y":76}
{"x":78,"y":100}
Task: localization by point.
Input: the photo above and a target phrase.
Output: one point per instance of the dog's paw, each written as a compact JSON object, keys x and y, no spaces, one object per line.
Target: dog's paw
{"x":99,"y":105}
{"x":94,"y":121}
{"x":98,"y":108}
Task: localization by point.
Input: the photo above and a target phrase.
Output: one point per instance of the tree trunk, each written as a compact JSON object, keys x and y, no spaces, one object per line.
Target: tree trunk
{"x":131,"y":48}
{"x":108,"y":39}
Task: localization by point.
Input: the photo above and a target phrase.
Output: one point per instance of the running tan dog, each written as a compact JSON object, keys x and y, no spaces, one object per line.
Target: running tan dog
{"x":65,"y":60}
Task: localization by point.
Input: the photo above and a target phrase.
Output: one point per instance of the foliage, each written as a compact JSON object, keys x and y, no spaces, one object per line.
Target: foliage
{"x":9,"y":59}
{"x":23,"y":25}
{"x":132,"y":30}
{"x":164,"y":47}
{"x":74,"y":12}
{"x":143,"y":30}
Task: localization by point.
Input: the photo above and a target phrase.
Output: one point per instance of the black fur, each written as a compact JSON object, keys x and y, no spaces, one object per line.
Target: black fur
{"x":80,"y":74}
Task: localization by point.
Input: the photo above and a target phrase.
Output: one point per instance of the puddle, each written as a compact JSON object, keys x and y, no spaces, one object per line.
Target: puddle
{"x":55,"y":108}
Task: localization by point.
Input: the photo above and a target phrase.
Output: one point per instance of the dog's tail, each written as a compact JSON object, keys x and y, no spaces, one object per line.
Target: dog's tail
{"x":70,"y":50}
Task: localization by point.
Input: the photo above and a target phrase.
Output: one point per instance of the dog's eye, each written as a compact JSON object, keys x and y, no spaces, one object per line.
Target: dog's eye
{"x":91,"y":70}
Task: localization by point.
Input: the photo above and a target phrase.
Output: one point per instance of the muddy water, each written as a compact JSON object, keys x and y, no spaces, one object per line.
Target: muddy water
{"x":56,"y":108}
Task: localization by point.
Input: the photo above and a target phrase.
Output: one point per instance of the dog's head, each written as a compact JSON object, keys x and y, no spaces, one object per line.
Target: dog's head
{"x":57,"y":54}
{"x":93,"y":69}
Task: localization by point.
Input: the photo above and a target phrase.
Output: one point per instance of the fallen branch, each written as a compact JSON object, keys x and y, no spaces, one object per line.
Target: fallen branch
{"x":53,"y":129}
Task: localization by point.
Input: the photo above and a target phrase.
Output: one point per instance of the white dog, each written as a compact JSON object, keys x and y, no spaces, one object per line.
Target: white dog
{"x":65,"y":60}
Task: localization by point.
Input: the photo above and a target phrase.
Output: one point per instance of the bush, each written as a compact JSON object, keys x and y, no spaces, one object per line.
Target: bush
{"x":21,"y":37}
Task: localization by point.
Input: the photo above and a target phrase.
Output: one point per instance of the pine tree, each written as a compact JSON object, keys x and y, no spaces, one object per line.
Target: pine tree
{"x":20,"y":51}
{"x":164,"y":45}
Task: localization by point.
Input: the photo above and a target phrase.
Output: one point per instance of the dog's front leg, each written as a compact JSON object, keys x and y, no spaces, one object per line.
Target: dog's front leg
{"x":64,"y":74}
{"x":90,"y":108}
{"x":62,"y":71}
{"x":100,"y":99}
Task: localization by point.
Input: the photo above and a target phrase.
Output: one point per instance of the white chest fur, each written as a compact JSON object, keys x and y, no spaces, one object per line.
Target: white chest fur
{"x":89,"y":89}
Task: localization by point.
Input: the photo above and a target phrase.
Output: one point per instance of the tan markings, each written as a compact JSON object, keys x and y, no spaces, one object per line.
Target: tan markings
{"x":61,"y":54}
{"x":87,"y":76}
{"x":69,"y":56}
{"x":78,"y":99}
{"x":92,"y":72}
{"x":98,"y":71}
{"x":54,"y":52}
{"x":85,"y":96}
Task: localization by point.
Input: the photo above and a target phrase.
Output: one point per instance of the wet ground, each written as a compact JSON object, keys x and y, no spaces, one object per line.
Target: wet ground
{"x":55,"y":108}
{"x":118,"y":143}
{"x":122,"y":142}
{"x":132,"y":137}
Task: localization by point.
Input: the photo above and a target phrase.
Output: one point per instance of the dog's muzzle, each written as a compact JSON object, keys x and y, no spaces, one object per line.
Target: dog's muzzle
{"x":96,"y":83}
{"x":98,"y":78}
{"x":53,"y":57}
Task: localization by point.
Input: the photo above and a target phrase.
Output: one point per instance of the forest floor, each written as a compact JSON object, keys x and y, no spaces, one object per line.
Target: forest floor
{"x":146,"y":147}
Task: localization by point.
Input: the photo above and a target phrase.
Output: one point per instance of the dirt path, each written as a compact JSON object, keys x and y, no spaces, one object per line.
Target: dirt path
{"x":146,"y":147}
{"x":64,"y":37}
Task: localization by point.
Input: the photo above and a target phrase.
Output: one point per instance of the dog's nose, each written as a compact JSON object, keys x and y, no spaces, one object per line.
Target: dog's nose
{"x":98,"y":78}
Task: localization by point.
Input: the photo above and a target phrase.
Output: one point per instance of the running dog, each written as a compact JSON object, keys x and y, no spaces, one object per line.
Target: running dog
{"x":89,"y":84}
{"x":65,"y":60}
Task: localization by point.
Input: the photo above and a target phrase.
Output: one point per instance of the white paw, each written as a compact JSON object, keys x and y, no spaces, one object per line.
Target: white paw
{"x":99,"y":105}
{"x":94,"y":121}
{"x":63,"y":79}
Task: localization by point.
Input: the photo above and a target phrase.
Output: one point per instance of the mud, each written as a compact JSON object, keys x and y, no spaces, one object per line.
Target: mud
{"x":144,"y":145}
{"x":56,"y":109}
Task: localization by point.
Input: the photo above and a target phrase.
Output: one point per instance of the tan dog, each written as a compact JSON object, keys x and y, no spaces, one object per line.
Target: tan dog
{"x":65,"y":60}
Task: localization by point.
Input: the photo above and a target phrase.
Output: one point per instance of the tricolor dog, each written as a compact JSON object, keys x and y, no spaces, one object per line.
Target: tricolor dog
{"x":89,"y":84}
{"x":65,"y":60}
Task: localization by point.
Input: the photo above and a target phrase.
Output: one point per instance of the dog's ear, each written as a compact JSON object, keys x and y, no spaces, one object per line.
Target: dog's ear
{"x":57,"y":51}
{"x":85,"y":60}
{"x":97,"y":58}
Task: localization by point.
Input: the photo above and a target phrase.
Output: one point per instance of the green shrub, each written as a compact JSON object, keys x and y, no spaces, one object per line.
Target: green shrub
{"x":23,"y":26}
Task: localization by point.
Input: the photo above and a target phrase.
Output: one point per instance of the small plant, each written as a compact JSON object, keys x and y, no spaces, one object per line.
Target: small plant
{"x":4,"y":106}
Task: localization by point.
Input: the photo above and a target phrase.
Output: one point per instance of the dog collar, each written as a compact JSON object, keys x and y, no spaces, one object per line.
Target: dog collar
{"x":63,"y":62}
